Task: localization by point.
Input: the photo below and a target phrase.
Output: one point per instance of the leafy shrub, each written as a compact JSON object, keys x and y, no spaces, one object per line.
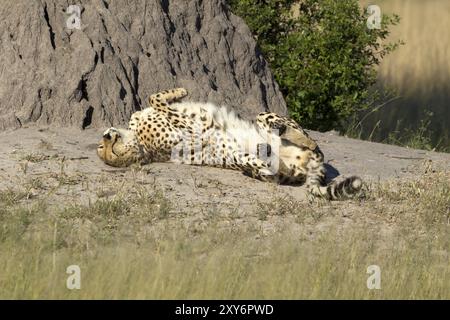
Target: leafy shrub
{"x":323,"y":58}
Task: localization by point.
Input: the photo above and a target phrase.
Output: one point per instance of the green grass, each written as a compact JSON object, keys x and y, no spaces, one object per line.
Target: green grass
{"x":133,"y":246}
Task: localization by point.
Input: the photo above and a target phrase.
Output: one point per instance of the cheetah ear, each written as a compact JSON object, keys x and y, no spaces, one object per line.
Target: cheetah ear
{"x":299,"y":138}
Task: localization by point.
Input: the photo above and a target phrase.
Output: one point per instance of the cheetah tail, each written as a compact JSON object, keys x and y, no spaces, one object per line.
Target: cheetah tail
{"x":338,"y":190}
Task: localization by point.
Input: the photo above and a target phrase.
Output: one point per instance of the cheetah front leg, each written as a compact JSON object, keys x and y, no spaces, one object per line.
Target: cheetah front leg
{"x":161,"y":100}
{"x":255,"y":167}
{"x":134,"y":121}
{"x":287,"y":129}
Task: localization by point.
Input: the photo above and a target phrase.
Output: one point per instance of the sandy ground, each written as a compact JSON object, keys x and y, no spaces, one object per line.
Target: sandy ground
{"x":45,"y":151}
{"x":61,"y":167}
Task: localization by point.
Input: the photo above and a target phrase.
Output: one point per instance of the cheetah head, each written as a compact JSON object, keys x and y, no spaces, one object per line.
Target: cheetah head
{"x":294,"y":160}
{"x":118,"y":148}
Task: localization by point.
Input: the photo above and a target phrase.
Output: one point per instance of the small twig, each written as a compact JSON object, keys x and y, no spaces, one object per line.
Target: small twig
{"x":115,"y":170}
{"x":404,"y":158}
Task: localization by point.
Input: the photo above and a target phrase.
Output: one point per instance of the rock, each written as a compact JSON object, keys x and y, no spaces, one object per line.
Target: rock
{"x":125,"y":50}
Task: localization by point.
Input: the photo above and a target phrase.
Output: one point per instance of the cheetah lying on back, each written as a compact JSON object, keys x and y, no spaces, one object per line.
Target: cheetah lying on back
{"x":274,"y":148}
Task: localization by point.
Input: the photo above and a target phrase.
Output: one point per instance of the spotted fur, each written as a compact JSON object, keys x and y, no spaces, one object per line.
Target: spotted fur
{"x":274,"y":148}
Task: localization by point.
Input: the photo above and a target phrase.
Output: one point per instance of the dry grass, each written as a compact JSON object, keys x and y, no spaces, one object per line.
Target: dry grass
{"x":428,"y":199}
{"x":419,"y":70}
{"x":35,"y":157}
{"x":233,"y":266}
{"x":421,"y":66}
{"x":132,"y":245}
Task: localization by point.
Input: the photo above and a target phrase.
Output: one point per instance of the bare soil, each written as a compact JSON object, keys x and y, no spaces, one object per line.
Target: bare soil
{"x":61,"y":165}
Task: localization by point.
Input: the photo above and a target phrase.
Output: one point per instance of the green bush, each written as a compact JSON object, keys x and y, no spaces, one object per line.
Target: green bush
{"x":323,"y":59}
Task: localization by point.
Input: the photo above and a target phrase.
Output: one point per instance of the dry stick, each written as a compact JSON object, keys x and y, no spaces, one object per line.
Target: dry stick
{"x":115,"y":170}
{"x":404,"y":158}
{"x":79,"y":158}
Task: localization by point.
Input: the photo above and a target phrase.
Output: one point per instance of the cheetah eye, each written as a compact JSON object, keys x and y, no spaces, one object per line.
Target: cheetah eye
{"x":100,"y":147}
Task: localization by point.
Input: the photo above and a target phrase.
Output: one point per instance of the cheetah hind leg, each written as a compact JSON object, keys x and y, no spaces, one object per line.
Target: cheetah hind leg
{"x":254,"y":167}
{"x":161,"y":100}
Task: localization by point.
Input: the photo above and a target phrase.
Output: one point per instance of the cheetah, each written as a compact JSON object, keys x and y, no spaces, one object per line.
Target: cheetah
{"x":272,"y":148}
